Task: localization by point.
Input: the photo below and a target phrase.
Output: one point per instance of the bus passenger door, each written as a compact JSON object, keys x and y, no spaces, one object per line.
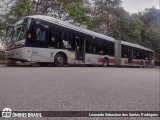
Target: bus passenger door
{"x":79,"y":49}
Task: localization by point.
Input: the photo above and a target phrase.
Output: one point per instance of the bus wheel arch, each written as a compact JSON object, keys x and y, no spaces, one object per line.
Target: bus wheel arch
{"x":106,"y":62}
{"x":60,"y":59}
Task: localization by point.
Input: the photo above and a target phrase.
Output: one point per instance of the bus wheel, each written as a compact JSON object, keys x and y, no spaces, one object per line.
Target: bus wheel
{"x":141,"y":65}
{"x":105,"y":63}
{"x":59,"y":60}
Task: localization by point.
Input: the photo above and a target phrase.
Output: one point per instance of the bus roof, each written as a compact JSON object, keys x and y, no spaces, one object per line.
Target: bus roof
{"x":83,"y":30}
{"x":135,"y":46}
{"x":70,"y":26}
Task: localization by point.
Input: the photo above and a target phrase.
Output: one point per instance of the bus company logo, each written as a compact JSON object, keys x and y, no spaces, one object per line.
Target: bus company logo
{"x":6,"y":113}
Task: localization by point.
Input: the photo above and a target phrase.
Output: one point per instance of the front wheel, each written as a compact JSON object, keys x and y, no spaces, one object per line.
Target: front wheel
{"x":59,"y":60}
{"x":105,"y":63}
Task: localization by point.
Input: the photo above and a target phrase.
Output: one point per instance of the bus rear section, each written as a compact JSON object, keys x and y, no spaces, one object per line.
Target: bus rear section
{"x":128,"y":54}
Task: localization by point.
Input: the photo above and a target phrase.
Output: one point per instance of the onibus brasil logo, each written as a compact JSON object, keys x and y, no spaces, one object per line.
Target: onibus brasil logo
{"x":7,"y":113}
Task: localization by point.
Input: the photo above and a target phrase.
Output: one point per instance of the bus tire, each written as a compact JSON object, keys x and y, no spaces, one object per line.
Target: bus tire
{"x":59,"y":60}
{"x":106,"y":62}
{"x":141,"y":65}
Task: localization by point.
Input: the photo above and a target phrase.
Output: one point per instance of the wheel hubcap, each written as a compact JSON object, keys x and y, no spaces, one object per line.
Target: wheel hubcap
{"x":60,"y":60}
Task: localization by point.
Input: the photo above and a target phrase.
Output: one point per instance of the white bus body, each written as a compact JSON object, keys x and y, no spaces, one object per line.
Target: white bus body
{"x":62,"y":43}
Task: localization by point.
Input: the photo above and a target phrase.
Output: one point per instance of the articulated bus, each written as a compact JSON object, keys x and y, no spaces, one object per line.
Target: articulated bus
{"x":45,"y":40}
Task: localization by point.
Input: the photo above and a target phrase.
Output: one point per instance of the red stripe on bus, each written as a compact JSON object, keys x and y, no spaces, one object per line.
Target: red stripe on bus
{"x":133,"y":62}
{"x":126,"y":61}
{"x":136,"y":62}
{"x":101,"y":60}
{"x":111,"y":60}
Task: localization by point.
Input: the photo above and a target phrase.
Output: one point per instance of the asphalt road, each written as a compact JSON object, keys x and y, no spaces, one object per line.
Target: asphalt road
{"x":80,"y":89}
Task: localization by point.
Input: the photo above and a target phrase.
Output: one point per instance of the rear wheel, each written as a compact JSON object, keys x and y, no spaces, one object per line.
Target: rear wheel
{"x":105,"y":63}
{"x":59,"y":60}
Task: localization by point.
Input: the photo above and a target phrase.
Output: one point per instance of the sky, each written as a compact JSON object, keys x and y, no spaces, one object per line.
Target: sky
{"x":135,"y":6}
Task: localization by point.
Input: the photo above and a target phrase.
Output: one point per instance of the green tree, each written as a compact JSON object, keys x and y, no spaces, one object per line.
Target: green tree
{"x":150,"y":17}
{"x":104,"y":18}
{"x":151,"y":29}
{"x":79,"y":12}
{"x":135,"y":29}
{"x":21,"y":8}
{"x":123,"y":24}
{"x":151,"y":39}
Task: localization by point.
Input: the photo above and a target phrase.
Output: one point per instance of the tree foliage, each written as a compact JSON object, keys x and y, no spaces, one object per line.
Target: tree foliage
{"x":79,"y":12}
{"x":151,"y":30}
{"x":135,"y":26}
{"x":104,"y":18}
{"x":21,"y":8}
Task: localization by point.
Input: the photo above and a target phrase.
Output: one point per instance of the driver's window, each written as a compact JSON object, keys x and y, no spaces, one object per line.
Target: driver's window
{"x":40,"y":34}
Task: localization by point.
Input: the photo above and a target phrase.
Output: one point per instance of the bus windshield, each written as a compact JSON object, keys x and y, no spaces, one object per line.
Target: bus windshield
{"x":18,"y":32}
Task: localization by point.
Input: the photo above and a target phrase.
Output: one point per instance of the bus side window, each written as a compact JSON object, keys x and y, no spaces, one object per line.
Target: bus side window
{"x":136,"y":54}
{"x":40,"y":34}
{"x":88,"y":46}
{"x":71,"y":39}
{"x":52,"y":39}
{"x":111,"y":49}
{"x":55,"y":38}
{"x":124,"y":52}
{"x":100,"y":47}
{"x":66,"y":41}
